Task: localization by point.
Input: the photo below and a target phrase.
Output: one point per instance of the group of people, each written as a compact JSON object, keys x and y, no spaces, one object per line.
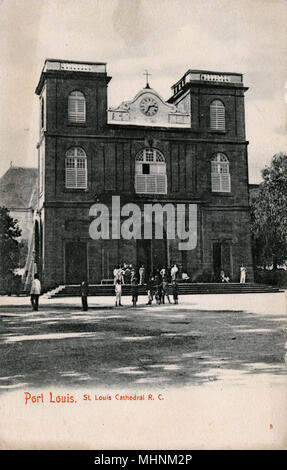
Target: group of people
{"x":243,"y":272}
{"x":126,"y":273}
{"x":157,"y":284}
{"x":157,"y":288}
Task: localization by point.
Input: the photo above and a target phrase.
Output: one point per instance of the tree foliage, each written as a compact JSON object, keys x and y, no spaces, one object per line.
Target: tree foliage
{"x":269,"y":215}
{"x":9,"y":246}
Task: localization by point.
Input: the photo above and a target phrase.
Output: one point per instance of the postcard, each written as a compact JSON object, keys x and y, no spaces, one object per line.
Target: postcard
{"x":142,"y":231}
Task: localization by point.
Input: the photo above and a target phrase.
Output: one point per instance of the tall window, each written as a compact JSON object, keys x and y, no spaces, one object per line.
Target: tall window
{"x":220,"y":176}
{"x":76,"y":168}
{"x":76,"y":107}
{"x":217,"y":115}
{"x":150,"y":172}
{"x":42,"y":113}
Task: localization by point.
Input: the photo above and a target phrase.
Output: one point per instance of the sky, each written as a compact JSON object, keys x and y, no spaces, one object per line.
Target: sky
{"x":167,"y":37}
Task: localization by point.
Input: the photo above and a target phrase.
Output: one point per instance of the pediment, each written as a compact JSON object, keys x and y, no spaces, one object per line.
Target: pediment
{"x":148,"y":108}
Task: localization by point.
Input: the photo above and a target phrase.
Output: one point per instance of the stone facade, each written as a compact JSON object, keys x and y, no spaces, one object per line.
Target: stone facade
{"x":67,"y":252}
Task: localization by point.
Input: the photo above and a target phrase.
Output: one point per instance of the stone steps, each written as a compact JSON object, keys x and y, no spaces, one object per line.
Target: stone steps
{"x":184,"y":289}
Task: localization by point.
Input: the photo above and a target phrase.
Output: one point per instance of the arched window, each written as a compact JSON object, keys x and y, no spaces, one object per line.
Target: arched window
{"x":217,"y":115}
{"x":220,"y":176}
{"x":76,"y":107}
{"x":76,"y":168}
{"x":150,"y":172}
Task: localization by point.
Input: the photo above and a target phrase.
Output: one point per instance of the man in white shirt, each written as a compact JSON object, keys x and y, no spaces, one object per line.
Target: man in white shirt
{"x":242,"y":274}
{"x":141,"y":273}
{"x":35,"y":292}
{"x":173,"y":272}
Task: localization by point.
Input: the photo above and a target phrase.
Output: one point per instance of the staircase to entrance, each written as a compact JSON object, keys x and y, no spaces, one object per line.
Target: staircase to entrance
{"x":107,"y":289}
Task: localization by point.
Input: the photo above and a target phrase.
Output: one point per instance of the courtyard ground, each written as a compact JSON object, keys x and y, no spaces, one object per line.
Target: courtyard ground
{"x":192,"y":353}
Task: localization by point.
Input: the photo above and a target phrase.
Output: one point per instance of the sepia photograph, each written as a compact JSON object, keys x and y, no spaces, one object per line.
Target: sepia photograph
{"x":143,"y":225}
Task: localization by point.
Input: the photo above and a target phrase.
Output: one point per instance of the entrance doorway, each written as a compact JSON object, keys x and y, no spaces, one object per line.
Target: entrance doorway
{"x":222,"y":259}
{"x":76,"y":262}
{"x":152,"y":254}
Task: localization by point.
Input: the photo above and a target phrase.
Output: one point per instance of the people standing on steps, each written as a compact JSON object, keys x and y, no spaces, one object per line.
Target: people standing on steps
{"x":173,"y":272}
{"x":243,"y":272}
{"x":142,"y":274}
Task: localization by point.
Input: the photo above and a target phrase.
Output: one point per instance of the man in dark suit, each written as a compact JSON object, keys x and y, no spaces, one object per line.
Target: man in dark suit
{"x":84,"y":295}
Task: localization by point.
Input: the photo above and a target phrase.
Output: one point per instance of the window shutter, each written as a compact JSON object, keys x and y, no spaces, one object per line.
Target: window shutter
{"x":225,"y":182}
{"x":140,"y":184}
{"x":217,"y":116}
{"x":220,"y":176}
{"x":151,"y":184}
{"x":76,"y":169}
{"x":71,"y":178}
{"x":76,"y":107}
{"x":154,"y":181}
{"x":161,"y":184}
{"x":215,"y":182}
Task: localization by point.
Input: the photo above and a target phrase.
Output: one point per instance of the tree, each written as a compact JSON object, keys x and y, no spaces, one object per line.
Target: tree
{"x":269,"y":215}
{"x":9,"y":247}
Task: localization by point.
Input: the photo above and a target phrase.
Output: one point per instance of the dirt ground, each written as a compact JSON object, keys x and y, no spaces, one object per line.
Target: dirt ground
{"x":173,"y":345}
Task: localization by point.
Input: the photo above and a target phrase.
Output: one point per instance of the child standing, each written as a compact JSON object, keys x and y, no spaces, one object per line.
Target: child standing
{"x":118,"y":292}
{"x":175,"y":291}
{"x":150,"y":289}
{"x":165,"y":291}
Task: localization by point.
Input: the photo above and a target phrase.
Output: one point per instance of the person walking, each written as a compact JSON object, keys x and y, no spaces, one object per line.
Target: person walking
{"x":84,"y":295}
{"x":35,"y":292}
{"x":243,"y":271}
{"x":118,"y":292}
{"x":175,"y":291}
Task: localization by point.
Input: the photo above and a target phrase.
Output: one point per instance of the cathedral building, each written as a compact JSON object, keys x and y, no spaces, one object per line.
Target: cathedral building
{"x":189,"y":151}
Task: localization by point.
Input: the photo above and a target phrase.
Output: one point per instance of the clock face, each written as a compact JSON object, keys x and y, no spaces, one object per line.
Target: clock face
{"x":148,"y":106}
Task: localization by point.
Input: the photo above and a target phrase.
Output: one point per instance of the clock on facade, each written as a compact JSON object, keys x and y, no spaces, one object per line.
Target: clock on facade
{"x":148,"y":106}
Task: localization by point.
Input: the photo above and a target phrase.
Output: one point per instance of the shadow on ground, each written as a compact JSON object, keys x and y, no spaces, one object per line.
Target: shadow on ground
{"x":160,"y":346}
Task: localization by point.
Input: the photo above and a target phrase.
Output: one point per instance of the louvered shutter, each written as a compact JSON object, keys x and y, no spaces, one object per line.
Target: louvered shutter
{"x":225,"y":183}
{"x":217,"y":116}
{"x":215,"y":182}
{"x":76,"y":169}
{"x":161,"y":184}
{"x":81,"y":173}
{"x":71,"y":178}
{"x":76,"y":107}
{"x":220,"y":176}
{"x":156,"y":181}
{"x":140,"y":185}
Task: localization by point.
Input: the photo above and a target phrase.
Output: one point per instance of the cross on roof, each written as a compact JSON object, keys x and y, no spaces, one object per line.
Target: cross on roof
{"x":147,"y":75}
